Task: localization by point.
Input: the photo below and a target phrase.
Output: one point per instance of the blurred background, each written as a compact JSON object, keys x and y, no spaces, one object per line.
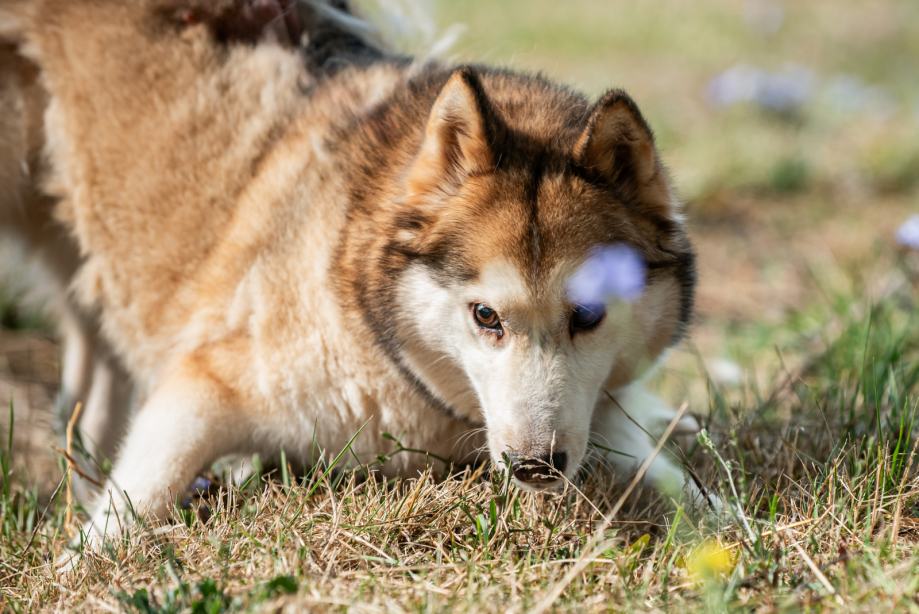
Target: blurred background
{"x":791,"y":130}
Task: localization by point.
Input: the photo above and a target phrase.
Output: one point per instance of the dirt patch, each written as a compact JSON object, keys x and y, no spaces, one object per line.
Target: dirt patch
{"x":29,"y":374}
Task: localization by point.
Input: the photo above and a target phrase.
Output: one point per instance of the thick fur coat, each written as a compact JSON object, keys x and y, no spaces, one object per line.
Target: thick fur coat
{"x":288,"y":247}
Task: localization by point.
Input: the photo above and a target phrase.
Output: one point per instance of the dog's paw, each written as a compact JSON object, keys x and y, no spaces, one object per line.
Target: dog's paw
{"x":85,"y":543}
{"x":94,"y":534}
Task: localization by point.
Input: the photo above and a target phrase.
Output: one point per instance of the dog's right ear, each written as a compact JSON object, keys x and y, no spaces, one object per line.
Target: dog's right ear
{"x":457,"y":138}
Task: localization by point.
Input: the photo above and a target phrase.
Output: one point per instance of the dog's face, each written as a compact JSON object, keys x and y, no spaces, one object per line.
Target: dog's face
{"x":498,"y":227}
{"x":536,"y":360}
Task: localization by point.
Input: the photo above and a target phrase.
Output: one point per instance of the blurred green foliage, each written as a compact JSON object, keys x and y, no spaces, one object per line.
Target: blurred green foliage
{"x":857,"y":131}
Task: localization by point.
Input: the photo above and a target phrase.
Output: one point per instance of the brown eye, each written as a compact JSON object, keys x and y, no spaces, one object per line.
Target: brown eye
{"x":486,"y":317}
{"x":586,"y":317}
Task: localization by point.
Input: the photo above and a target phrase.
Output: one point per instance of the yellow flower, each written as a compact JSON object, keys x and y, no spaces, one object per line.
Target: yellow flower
{"x":709,"y":560}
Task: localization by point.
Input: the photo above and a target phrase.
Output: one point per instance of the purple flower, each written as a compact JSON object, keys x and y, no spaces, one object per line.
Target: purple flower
{"x":908,"y":233}
{"x":782,"y":91}
{"x":787,"y":90}
{"x":201,"y":485}
{"x":610,"y":272}
{"x":736,"y":84}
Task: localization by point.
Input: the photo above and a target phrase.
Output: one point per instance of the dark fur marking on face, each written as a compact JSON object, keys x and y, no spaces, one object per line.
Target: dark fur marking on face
{"x":686,"y":276}
{"x":683,"y":267}
{"x":531,"y":198}
{"x":411,"y":220}
{"x":374,"y":303}
{"x":624,"y":194}
{"x":375,"y":297}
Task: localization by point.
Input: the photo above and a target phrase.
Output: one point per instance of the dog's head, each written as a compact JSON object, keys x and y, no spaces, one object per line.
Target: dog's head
{"x":518,"y":197}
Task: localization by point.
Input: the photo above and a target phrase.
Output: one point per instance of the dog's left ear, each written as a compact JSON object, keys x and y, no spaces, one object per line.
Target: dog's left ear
{"x":618,"y":145}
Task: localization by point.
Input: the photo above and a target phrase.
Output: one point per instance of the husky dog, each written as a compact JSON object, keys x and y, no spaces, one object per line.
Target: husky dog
{"x":291,"y":244}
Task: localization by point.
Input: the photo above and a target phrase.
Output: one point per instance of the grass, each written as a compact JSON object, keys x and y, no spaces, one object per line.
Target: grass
{"x":823,"y":462}
{"x":800,"y":287}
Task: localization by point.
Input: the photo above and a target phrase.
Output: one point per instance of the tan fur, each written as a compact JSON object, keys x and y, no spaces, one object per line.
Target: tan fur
{"x":248,"y":225}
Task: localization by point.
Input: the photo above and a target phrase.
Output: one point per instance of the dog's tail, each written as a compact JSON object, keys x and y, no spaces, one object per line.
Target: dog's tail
{"x":335,"y":36}
{"x":339,"y":33}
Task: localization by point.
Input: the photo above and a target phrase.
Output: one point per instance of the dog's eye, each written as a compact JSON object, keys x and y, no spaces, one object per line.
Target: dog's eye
{"x":486,"y":317}
{"x":586,"y":317}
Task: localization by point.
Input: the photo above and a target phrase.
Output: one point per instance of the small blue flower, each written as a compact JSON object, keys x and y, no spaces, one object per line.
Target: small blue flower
{"x":201,"y":485}
{"x":610,"y":272}
{"x":737,"y":84}
{"x":783,"y":91}
{"x":787,"y":90}
{"x":908,"y":233}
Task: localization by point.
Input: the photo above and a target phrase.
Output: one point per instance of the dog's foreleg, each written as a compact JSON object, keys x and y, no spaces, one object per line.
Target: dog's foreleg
{"x":90,"y":373}
{"x":106,"y":411}
{"x":108,"y":407}
{"x":626,"y":429}
{"x":186,"y":423}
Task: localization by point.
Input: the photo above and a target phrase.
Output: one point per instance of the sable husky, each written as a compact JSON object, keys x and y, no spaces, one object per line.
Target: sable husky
{"x":288,"y":247}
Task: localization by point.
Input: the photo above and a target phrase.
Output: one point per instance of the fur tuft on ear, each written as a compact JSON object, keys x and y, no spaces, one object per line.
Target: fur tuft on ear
{"x":457,"y":137}
{"x":618,"y":145}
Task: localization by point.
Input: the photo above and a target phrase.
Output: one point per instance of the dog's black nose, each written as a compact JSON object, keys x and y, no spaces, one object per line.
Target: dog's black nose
{"x":539,"y":470}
